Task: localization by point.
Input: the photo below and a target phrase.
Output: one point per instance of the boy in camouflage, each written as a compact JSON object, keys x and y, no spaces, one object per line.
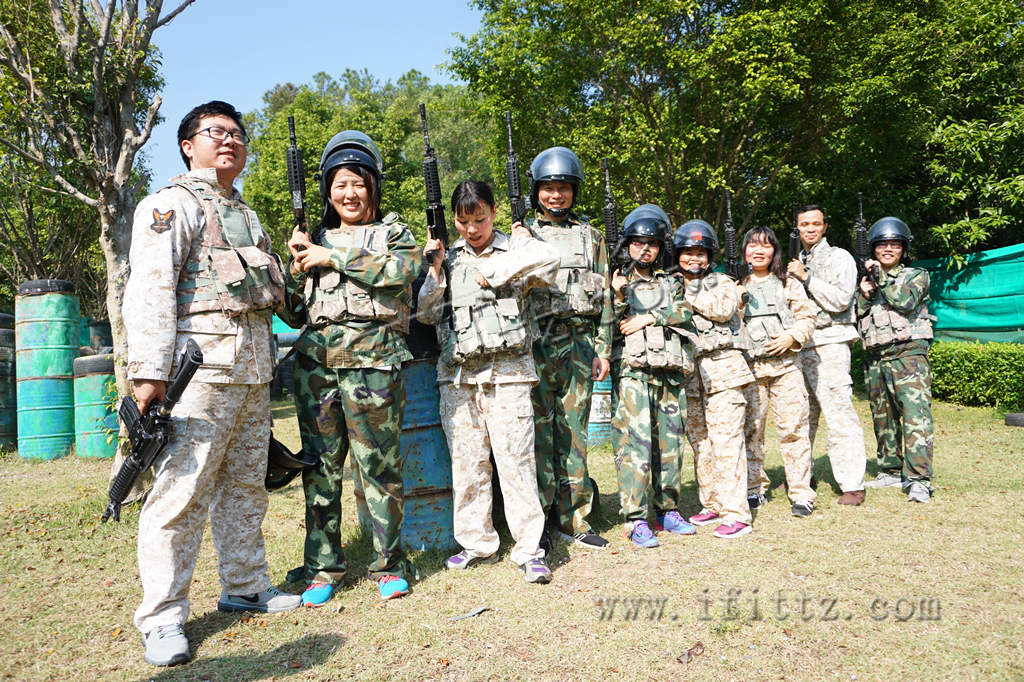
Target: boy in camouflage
{"x":485,"y":374}
{"x":350,"y":287}
{"x":896,"y":329}
{"x":779,"y":320}
{"x":650,"y":361}
{"x":715,"y":401}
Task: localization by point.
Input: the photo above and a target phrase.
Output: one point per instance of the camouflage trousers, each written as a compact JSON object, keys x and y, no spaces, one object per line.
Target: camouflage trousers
{"x":830,"y":392}
{"x":214,"y":464}
{"x":479,"y":420}
{"x":900,"y":392}
{"x":647,"y":434}
{"x":561,"y":406}
{"x":359,"y":411}
{"x":714,"y":427}
{"x":786,"y":395}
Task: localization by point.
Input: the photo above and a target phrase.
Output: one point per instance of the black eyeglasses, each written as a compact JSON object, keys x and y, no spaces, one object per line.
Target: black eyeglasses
{"x":220,"y":134}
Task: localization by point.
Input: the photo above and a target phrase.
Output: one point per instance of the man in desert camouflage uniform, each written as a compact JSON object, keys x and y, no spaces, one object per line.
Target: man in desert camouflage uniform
{"x":829,"y":274}
{"x":897,"y":330}
{"x":202,"y":269}
{"x":715,"y":400}
{"x":485,"y":374}
{"x":573,"y":350}
{"x":651,"y":359}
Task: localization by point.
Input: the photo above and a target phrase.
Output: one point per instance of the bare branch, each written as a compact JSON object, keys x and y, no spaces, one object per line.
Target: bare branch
{"x":176,"y":12}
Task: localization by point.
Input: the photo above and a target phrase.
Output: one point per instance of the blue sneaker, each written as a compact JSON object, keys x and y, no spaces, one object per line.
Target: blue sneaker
{"x":392,"y":587}
{"x":641,"y":535}
{"x":317,"y":594}
{"x":674,"y":523}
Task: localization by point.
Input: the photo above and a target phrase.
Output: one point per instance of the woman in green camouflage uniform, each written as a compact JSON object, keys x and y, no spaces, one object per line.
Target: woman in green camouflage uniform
{"x":350,"y":286}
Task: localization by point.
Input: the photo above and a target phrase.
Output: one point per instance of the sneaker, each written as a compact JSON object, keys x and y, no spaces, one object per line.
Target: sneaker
{"x":536,"y":571}
{"x":673,"y":523}
{"x":588,"y":539}
{"x":463,"y":560}
{"x":918,"y":492}
{"x":270,"y":600}
{"x":641,"y":535}
{"x":756,"y":501}
{"x":885,"y":480}
{"x":802,"y":509}
{"x":732,"y":530}
{"x":317,"y":594}
{"x":704,"y":518}
{"x":166,"y":645}
{"x":392,"y":587}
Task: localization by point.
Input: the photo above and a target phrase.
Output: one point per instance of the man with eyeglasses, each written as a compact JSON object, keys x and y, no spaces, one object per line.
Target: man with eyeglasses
{"x":202,"y":269}
{"x":829,"y":274}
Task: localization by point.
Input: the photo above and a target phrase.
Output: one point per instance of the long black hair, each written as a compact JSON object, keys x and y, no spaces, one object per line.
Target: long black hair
{"x":765,"y":235}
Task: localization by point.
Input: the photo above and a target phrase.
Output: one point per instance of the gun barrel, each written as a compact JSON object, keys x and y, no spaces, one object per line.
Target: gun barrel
{"x":190,"y":360}
{"x":423,"y":125}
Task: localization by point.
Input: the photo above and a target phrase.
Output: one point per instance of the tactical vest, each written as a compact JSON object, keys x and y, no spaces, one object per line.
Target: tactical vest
{"x":654,"y":346}
{"x":577,"y":290}
{"x":822,"y":317}
{"x":484,"y":321}
{"x":336,"y":298}
{"x":883,"y":326}
{"x":233,"y":269}
{"x":767,"y":313}
{"x":710,"y":335}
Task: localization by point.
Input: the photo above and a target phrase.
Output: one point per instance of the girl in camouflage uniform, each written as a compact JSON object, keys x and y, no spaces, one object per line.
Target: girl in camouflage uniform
{"x":779,"y":320}
{"x":485,"y":375}
{"x":350,"y":287}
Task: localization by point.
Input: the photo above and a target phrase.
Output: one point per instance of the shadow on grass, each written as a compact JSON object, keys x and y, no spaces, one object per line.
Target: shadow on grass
{"x":291,"y":658}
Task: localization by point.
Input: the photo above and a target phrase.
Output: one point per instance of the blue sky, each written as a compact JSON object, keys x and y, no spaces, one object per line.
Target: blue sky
{"x":236,"y":50}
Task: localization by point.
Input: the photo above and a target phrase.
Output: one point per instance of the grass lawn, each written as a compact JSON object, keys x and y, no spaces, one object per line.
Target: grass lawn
{"x":891,"y":590}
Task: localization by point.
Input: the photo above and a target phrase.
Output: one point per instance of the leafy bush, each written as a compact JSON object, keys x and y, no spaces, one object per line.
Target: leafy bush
{"x":978,"y":373}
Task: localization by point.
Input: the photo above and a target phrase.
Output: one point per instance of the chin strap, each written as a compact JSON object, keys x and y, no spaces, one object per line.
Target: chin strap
{"x":558,"y":214}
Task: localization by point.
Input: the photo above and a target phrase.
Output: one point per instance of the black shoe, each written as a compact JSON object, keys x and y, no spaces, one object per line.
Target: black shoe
{"x":545,"y":542}
{"x":802,"y":509}
{"x":588,"y":539}
{"x":756,"y":501}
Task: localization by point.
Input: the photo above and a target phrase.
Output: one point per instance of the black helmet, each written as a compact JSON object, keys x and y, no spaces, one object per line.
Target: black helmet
{"x":556,"y":164}
{"x":696,"y":233}
{"x":890,"y":228}
{"x":283,"y":466}
{"x":647,"y":220}
{"x":349,"y":147}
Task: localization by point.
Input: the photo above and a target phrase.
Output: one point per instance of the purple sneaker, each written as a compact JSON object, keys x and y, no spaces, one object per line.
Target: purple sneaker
{"x":673,"y":523}
{"x":704,"y":518}
{"x":641,"y":535}
{"x":463,"y":560}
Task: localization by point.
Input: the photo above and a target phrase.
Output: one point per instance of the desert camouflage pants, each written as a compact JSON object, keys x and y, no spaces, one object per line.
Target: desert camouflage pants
{"x":900,"y":392}
{"x":647,"y":435}
{"x":786,"y":395}
{"x":214,"y":464}
{"x":714,"y":427}
{"x":561,"y":406}
{"x":479,"y":420}
{"x":358,"y":411}
{"x":830,"y":392}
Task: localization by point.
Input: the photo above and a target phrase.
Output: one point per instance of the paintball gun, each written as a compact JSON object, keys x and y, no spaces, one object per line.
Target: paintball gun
{"x":863,"y":248}
{"x":435,"y":209}
{"x":296,"y":177}
{"x":149,"y":433}
{"x":611,"y":222}
{"x":793,"y":249}
{"x":733,"y":267}
{"x":515,"y":191}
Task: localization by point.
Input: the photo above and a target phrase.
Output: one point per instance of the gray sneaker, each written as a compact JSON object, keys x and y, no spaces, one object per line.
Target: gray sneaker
{"x":270,"y":600}
{"x":166,"y":645}
{"x":536,"y":571}
{"x":884,"y":480}
{"x":918,"y":492}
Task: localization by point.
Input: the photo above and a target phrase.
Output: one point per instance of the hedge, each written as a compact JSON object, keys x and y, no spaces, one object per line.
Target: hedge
{"x":969,"y":373}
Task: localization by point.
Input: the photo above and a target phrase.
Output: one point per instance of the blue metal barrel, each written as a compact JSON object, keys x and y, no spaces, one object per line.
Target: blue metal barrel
{"x":47,"y":333}
{"x":427,"y":473}
{"x":599,"y":426}
{"x":8,"y":390}
{"x":95,"y":419}
{"x":99,"y":334}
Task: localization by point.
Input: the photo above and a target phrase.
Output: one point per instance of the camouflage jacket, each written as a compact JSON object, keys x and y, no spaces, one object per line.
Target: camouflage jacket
{"x":675,"y":312}
{"x":802,"y":313}
{"x":521,"y":263}
{"x":901,"y":299}
{"x":358,"y":344}
{"x":167,"y":233}
{"x":831,"y":287}
{"x":603,"y":322}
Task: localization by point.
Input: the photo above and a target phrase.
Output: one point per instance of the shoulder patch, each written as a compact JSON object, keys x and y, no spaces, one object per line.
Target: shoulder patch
{"x":391,"y":218}
{"x":161,"y":221}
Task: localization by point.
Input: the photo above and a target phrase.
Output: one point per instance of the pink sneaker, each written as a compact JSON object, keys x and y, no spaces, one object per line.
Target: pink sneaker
{"x":732,"y":530}
{"x":703,"y":518}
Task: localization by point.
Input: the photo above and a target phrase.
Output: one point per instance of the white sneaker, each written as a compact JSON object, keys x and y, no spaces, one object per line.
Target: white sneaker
{"x":270,"y":600}
{"x":166,"y":645}
{"x":884,"y":480}
{"x":918,"y":492}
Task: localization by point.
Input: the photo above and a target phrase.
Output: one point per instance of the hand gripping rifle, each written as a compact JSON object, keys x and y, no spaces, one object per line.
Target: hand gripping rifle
{"x":863,"y":248}
{"x":733,"y":267}
{"x":435,"y":209}
{"x":149,"y":433}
